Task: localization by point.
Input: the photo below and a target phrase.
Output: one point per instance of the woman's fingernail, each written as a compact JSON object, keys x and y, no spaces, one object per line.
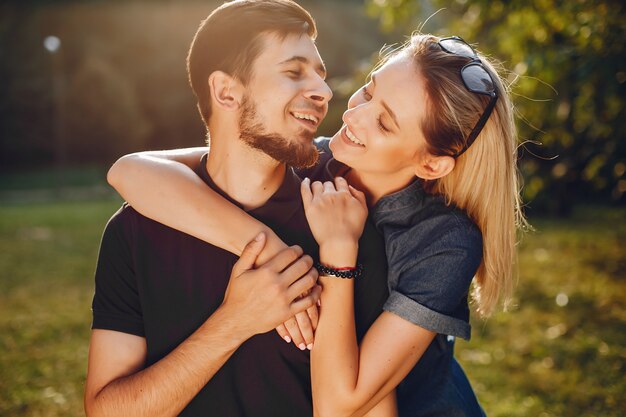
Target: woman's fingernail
{"x":287,"y":339}
{"x":302,"y":346}
{"x":319,"y":302}
{"x":309,"y":346}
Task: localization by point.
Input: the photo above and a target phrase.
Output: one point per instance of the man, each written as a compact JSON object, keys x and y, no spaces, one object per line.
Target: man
{"x":174,"y":332}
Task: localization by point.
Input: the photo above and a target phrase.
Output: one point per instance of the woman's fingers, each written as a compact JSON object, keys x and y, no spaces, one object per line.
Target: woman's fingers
{"x":294,"y":332}
{"x":307,"y":301}
{"x":305,"y":192}
{"x":341,"y":184}
{"x":359,"y":195}
{"x":329,"y":187}
{"x":314,"y":316}
{"x":317,"y":188}
{"x":283,"y":333}
{"x":306,"y":329}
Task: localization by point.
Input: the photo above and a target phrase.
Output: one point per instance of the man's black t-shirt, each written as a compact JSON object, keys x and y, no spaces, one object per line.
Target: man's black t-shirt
{"x":161,"y":284}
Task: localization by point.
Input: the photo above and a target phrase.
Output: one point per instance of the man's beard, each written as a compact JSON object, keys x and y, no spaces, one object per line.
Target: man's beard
{"x":298,"y":152}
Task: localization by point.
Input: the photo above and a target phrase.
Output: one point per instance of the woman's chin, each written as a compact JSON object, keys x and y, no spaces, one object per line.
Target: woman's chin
{"x":335,"y":147}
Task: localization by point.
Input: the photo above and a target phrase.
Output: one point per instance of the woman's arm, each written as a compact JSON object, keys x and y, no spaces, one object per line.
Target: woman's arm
{"x":347,"y":380}
{"x":163,"y":186}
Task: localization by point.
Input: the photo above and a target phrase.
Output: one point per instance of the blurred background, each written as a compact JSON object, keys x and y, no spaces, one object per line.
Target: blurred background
{"x":84,"y":82}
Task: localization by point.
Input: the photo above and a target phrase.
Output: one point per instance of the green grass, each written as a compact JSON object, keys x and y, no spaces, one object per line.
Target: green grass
{"x":540,"y":359}
{"x":47,"y":259}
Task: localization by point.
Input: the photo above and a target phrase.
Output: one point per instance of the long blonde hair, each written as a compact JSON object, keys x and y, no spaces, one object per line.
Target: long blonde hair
{"x":485,"y":180}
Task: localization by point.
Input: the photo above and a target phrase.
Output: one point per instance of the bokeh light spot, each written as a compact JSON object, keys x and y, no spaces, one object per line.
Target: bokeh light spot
{"x":541,"y":255}
{"x":52,"y":43}
{"x":562,"y":300}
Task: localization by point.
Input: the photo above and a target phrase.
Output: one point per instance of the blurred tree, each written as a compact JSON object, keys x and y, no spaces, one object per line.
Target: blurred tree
{"x":124,"y":75}
{"x":568,"y":75}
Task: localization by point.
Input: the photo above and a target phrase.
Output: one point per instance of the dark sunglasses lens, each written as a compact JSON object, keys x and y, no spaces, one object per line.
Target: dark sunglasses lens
{"x":458,"y":47}
{"x":477,"y":79}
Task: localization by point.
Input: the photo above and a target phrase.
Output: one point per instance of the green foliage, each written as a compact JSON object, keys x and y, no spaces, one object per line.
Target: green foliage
{"x":566,"y":62}
{"x":120,"y":76}
{"x":541,"y":359}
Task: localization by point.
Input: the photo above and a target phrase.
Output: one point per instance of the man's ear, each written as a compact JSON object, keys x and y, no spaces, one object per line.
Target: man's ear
{"x":433,"y":167}
{"x":226,"y":91}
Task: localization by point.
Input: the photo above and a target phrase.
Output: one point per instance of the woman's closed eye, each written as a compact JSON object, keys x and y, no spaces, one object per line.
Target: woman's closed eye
{"x":368,"y":97}
{"x":381,"y":125}
{"x":294,"y":73}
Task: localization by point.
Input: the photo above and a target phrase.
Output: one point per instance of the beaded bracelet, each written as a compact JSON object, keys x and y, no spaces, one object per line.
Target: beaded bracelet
{"x":349,"y":273}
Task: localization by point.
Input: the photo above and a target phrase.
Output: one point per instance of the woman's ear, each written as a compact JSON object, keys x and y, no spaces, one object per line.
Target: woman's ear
{"x":433,"y":167}
{"x":226,"y":92}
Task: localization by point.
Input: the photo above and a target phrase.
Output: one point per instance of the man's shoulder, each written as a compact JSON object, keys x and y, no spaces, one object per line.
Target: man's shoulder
{"x":125,"y":215}
{"x":128,"y":223}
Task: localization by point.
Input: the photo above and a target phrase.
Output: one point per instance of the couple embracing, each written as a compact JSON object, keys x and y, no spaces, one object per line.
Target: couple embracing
{"x":362,"y":250}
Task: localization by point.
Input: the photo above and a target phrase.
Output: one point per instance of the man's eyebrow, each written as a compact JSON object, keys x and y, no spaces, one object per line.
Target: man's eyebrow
{"x":320,"y":69}
{"x":386,"y":106}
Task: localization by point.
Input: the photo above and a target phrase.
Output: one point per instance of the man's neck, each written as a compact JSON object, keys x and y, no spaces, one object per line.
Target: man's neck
{"x":247,"y":175}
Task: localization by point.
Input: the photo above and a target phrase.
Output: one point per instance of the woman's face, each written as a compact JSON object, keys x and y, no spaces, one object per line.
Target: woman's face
{"x":381,"y":132}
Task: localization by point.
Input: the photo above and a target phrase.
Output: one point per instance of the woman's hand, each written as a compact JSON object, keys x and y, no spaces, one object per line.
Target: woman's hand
{"x":336,"y":213}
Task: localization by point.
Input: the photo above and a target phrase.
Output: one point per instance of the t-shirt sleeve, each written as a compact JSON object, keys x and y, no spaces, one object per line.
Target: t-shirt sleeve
{"x":116,"y":303}
{"x":434,"y":276}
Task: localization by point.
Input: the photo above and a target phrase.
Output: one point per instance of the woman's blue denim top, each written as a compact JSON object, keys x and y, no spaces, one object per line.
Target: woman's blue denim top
{"x":433,"y":251}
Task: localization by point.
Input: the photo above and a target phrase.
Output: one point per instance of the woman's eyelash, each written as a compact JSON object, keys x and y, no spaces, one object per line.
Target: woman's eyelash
{"x":368,"y":96}
{"x":381,"y":126}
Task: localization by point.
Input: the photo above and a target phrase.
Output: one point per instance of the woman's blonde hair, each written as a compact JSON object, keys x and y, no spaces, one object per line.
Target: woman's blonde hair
{"x":485,"y":180}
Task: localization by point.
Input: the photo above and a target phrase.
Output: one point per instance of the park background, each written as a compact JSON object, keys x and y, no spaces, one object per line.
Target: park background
{"x":110,"y":79}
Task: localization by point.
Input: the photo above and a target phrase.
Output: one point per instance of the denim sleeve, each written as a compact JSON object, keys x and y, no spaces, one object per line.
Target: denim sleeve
{"x":433,"y":276}
{"x":116,"y":304}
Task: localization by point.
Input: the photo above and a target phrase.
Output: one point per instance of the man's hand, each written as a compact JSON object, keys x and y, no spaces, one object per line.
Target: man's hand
{"x":299,"y":329}
{"x":269,"y":295}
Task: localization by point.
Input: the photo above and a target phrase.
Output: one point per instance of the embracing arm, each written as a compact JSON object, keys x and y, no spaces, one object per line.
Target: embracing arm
{"x":163,"y":186}
{"x":348,"y":380}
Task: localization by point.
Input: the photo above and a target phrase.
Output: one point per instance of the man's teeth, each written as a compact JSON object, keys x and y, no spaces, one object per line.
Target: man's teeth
{"x":306,"y":117}
{"x":352,"y":138}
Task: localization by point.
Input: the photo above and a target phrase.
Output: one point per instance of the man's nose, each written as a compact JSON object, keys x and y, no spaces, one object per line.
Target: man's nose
{"x":319,"y":91}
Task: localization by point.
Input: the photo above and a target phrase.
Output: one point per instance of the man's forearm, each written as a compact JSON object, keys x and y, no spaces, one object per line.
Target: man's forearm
{"x":166,"y":387}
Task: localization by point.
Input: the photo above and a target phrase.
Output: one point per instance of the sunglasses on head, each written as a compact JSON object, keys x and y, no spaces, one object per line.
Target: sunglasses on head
{"x":476,"y":79}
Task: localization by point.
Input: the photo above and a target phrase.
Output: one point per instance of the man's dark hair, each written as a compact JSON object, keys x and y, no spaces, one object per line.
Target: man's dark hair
{"x":230,"y":40}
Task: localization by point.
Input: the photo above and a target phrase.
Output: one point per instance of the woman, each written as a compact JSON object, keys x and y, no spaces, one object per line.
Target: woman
{"x":430,"y":140}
